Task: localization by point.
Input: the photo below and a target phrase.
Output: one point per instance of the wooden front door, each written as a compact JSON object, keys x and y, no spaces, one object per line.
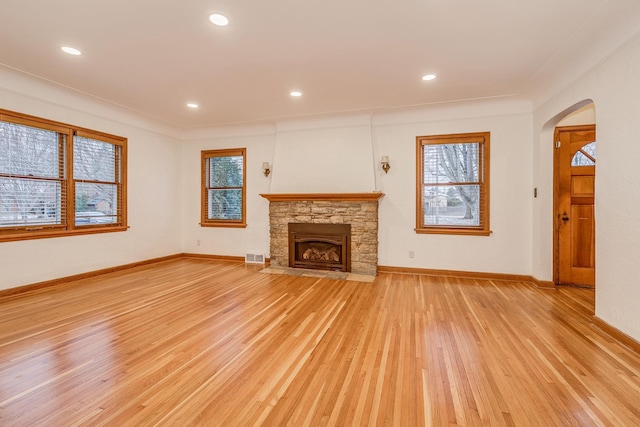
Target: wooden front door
{"x":574,"y":171}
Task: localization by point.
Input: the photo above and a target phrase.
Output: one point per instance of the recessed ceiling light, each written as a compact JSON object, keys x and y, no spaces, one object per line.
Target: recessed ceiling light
{"x":71,"y":50}
{"x":296,"y":93}
{"x":219,"y":20}
{"x":429,"y":77}
{"x":192,"y":105}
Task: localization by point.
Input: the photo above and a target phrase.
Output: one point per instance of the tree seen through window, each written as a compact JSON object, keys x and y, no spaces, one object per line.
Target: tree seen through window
{"x":453,"y":184}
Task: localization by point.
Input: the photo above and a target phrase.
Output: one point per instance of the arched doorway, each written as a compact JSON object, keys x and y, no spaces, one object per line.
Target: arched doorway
{"x":574,"y":198}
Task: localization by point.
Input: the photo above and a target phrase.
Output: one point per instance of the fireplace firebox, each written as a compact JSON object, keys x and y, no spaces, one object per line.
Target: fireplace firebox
{"x":320,"y":246}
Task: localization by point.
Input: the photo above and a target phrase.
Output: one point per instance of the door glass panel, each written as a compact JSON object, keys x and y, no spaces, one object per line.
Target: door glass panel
{"x":585,"y":156}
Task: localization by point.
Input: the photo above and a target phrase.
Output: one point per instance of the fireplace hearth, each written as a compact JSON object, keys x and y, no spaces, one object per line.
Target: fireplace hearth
{"x":320,"y":246}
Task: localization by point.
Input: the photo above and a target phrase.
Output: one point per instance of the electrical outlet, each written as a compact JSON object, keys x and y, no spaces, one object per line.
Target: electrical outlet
{"x":197,"y":242}
{"x":411,"y":254}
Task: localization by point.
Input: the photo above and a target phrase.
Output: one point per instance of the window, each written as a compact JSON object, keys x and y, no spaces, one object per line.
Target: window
{"x":56,"y":179}
{"x":453,"y":184}
{"x":223,"y":188}
{"x":96,"y":178}
{"x":585,"y":156}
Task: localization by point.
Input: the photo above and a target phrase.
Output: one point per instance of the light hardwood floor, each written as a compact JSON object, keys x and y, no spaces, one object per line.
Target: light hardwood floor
{"x":216,"y":343}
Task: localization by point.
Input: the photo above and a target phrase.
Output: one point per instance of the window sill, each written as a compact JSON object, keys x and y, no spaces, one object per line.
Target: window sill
{"x":224,"y":224}
{"x":31,"y":235}
{"x":454,"y":231}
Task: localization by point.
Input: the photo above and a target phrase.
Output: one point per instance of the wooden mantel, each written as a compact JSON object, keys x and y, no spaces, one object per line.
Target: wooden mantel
{"x":336,"y":197}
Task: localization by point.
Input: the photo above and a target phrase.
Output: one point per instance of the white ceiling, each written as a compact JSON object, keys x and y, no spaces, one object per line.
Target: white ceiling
{"x":154,"y":56}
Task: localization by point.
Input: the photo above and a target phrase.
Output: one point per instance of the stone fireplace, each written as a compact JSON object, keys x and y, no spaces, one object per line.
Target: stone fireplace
{"x":358,"y":211}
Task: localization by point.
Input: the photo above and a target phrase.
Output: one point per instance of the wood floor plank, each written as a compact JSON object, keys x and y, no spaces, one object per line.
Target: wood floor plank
{"x":194,"y":342}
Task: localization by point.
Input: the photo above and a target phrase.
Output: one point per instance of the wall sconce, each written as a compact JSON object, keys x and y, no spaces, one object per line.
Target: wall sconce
{"x":385,"y":164}
{"x":265,"y":169}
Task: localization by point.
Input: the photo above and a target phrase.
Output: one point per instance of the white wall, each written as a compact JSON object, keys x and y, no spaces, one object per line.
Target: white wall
{"x":582,"y":116}
{"x":219,"y":240}
{"x":350,"y":148}
{"x":614,"y":87}
{"x":310,"y":156}
{"x":324,"y":156}
{"x":508,"y":248}
{"x":153,"y":188}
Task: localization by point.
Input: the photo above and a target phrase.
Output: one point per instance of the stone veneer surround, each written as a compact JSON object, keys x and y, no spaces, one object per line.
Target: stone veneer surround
{"x":358,"y":209}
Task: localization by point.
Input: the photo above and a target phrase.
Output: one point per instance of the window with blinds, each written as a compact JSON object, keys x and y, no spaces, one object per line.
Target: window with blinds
{"x":223,"y":188}
{"x":453,"y":184}
{"x":56,"y":179}
{"x":97,"y":175}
